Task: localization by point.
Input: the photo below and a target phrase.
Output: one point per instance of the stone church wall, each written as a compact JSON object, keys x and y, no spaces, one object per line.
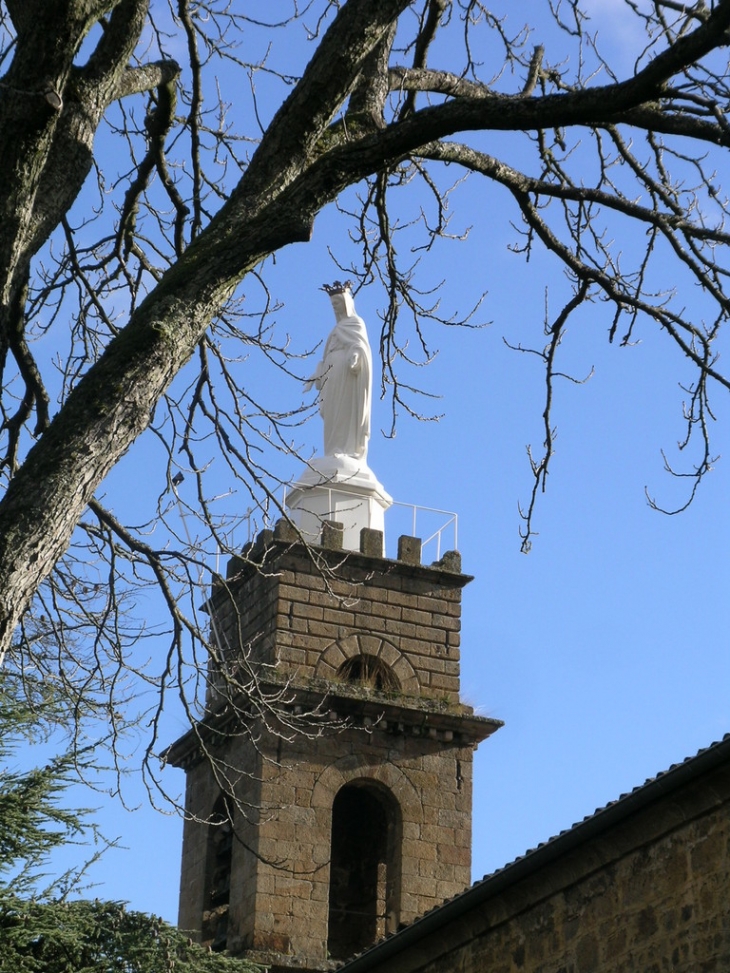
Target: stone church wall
{"x":641,"y":887}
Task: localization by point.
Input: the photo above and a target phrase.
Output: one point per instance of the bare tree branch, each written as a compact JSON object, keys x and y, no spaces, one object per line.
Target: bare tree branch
{"x":137,"y":194}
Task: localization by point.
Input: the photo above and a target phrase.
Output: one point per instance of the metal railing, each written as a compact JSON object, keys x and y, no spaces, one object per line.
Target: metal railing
{"x":439,"y":528}
{"x":436,"y":528}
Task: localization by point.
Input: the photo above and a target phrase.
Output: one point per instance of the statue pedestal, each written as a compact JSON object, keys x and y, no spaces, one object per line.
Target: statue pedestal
{"x":338,"y":488}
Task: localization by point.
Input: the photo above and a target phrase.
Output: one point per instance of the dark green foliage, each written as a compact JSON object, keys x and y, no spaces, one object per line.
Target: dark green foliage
{"x":98,"y":937}
{"x":49,"y":931}
{"x":32,"y":823}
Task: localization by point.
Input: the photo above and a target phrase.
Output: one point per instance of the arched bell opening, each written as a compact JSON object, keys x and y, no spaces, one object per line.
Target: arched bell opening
{"x":365,"y":867}
{"x":369,"y":671}
{"x":218,"y":875}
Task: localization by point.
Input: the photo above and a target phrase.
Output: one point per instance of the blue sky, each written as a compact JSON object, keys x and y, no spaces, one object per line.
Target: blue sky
{"x":605,"y":650}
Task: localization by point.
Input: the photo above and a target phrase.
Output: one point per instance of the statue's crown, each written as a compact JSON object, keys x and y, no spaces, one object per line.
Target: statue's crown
{"x":338,"y":287}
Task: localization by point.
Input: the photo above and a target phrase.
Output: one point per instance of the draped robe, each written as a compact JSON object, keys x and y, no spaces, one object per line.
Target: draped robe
{"x":344,"y":380}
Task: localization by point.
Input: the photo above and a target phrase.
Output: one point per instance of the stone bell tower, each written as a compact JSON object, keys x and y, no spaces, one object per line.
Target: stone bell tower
{"x":307,"y":839}
{"x":334,"y":838}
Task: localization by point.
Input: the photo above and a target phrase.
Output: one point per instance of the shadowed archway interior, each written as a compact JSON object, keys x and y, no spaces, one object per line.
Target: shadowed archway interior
{"x":364,"y":868}
{"x":369,"y":671}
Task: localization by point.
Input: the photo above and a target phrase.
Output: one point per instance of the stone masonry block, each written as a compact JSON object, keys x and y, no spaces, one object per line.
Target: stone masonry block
{"x":321,"y":630}
{"x":302,"y":610}
{"x":427,"y":633}
{"x":339,"y":616}
{"x":382,"y":610}
{"x":409,"y":549}
{"x":450,"y":819}
{"x":305,"y":909}
{"x":410,"y":907}
{"x":371,"y":542}
{"x":401,"y":630}
{"x":448,"y":624}
{"x":349,"y":646}
{"x":430,"y":603}
{"x":388,"y":653}
{"x":291,"y":592}
{"x":370,"y":644}
{"x":296,"y":886}
{"x":303,"y":789}
{"x":297,"y":624}
{"x":397,"y":597}
{"x":284,"y":530}
{"x":419,"y":617}
{"x":295,"y":657}
{"x":412,"y":831}
{"x":409,"y":869}
{"x":447,"y":683}
{"x":412,"y":586}
{"x":462,"y":838}
{"x":451,"y":561}
{"x":451,"y":883}
{"x":333,"y":533}
{"x":424,"y":886}
{"x":402,"y":670}
{"x":323,"y":598}
{"x":452,"y":855}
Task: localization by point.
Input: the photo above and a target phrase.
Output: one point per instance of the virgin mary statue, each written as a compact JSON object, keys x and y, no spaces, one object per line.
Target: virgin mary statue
{"x":344,"y":380}
{"x":340,"y":487}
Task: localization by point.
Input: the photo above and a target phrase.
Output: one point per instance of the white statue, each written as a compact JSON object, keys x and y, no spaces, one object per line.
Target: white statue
{"x":344,"y":380}
{"x":340,"y":486}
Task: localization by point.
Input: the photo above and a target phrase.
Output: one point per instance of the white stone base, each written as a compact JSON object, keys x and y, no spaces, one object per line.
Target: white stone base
{"x":341,"y":489}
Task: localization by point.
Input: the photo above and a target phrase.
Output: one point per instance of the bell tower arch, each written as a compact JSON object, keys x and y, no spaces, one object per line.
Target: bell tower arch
{"x":366,"y":848}
{"x":332,"y":839}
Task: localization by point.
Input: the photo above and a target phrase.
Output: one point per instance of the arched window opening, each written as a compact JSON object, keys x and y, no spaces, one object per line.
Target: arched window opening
{"x":364,"y":890}
{"x":218,"y":875}
{"x":369,"y":671}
